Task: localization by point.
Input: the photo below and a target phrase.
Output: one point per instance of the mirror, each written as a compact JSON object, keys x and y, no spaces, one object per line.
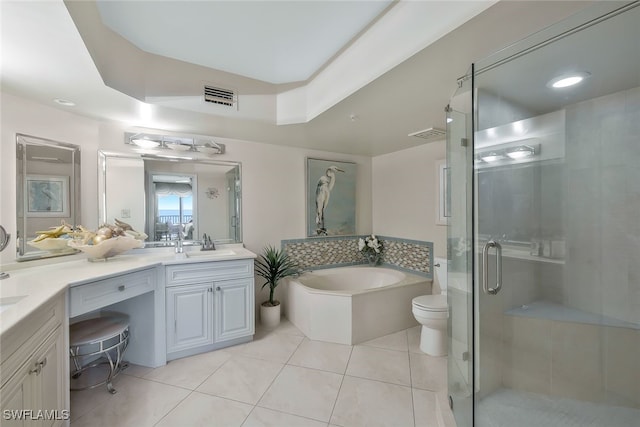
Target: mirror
{"x":183,"y":198}
{"x":48,"y":190}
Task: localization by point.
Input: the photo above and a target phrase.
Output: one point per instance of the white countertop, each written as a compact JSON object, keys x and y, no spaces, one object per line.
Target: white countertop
{"x":34,"y":286}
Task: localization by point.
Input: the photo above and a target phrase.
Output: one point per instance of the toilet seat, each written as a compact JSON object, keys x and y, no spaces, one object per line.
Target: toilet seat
{"x":431,"y":302}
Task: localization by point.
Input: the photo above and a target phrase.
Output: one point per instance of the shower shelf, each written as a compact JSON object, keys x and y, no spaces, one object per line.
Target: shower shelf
{"x":516,"y":253}
{"x":560,"y":313}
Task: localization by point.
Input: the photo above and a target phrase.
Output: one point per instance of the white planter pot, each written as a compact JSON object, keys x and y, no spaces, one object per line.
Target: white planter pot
{"x":270,"y":316}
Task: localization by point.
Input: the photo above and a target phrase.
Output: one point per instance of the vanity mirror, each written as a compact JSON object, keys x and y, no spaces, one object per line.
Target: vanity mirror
{"x":47,"y":197}
{"x":170,"y":198}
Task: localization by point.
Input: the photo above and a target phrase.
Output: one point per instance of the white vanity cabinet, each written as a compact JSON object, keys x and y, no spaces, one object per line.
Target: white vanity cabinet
{"x":189,"y":316}
{"x":209,"y":305}
{"x":34,"y":376}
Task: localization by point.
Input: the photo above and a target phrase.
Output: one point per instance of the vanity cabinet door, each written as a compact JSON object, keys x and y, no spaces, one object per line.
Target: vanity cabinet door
{"x":14,"y":396}
{"x":189,"y":316}
{"x":51,"y":380}
{"x":38,"y":387}
{"x":234,"y":308}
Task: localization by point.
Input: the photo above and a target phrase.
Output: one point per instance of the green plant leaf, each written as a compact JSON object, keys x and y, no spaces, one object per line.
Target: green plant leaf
{"x":273,"y":265}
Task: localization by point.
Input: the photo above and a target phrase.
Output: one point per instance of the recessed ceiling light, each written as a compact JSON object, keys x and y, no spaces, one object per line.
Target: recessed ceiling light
{"x":568,"y":80}
{"x":64,"y":102}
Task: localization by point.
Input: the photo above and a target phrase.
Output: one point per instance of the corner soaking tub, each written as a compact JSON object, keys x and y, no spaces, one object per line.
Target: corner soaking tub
{"x":349,"y":305}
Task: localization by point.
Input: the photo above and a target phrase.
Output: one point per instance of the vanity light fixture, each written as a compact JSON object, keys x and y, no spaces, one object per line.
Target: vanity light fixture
{"x":492,"y":156}
{"x":567,"y":80}
{"x":185,"y":144}
{"x":144,"y":141}
{"x":521,"y":152}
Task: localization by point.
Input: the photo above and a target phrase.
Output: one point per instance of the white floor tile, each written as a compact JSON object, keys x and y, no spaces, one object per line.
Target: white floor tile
{"x":413,"y":336}
{"x":85,"y":401}
{"x":380,"y":364}
{"x":305,"y":392}
{"x":189,"y":372}
{"x":425,"y":408}
{"x":207,"y":411}
{"x":136,"y":370}
{"x":138,"y":403}
{"x":263,"y":417}
{"x":286,"y":327}
{"x":366,"y":403}
{"x":242,"y":378}
{"x":271,"y":346}
{"x":428,"y":372}
{"x":396,"y":341}
{"x":322,"y":355}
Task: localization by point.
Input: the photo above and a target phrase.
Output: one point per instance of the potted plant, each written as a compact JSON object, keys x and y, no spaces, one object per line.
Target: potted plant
{"x":272,"y":265}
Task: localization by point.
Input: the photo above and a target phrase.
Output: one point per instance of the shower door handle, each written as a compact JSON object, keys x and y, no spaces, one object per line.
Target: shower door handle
{"x":485,"y":267}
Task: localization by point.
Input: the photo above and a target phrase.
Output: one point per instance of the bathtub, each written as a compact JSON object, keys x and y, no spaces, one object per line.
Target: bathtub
{"x":349,"y":305}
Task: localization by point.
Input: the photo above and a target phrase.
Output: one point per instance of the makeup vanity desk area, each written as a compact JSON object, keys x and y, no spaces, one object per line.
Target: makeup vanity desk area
{"x":178,"y":305}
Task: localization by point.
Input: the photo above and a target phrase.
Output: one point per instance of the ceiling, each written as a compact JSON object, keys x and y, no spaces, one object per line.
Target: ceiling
{"x":358,"y":98}
{"x":276,"y":41}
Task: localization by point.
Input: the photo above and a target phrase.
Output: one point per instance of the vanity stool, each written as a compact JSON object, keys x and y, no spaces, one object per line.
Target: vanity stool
{"x":96,"y":344}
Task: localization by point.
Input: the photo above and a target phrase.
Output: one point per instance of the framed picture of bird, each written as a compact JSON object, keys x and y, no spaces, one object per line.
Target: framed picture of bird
{"x":331,"y":198}
{"x":47,"y":196}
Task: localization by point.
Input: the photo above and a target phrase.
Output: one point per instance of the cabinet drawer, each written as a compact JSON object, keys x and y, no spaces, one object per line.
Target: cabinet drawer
{"x":204,"y":271}
{"x":98,"y":294}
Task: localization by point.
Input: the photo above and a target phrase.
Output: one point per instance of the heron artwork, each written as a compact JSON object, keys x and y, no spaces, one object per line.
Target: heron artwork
{"x":323,"y":192}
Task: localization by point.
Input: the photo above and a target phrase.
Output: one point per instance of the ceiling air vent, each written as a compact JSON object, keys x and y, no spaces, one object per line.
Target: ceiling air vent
{"x":219,"y":96}
{"x":430,"y":133}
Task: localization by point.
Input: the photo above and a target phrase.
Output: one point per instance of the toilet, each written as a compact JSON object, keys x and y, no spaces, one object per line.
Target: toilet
{"x":432,"y":312}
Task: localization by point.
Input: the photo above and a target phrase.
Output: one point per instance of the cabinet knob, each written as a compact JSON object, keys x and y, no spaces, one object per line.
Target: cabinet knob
{"x":121,"y":288}
{"x":210,"y":289}
{"x":218,"y":288}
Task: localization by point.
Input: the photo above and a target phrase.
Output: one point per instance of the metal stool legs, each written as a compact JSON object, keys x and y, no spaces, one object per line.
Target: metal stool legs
{"x":108,"y":353}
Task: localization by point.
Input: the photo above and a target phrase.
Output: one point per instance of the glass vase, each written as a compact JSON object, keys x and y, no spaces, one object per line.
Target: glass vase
{"x":373,"y":258}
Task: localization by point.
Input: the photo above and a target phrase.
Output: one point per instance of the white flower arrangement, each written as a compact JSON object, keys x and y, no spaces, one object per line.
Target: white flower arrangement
{"x":370,"y":245}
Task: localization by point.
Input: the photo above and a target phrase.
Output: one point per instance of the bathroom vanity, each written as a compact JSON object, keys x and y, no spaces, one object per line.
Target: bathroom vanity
{"x":178,"y":305}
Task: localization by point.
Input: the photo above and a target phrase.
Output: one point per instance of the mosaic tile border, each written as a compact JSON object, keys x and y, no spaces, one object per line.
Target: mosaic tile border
{"x":412,"y":256}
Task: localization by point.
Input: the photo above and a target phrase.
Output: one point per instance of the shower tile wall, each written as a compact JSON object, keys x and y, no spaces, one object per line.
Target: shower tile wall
{"x":603,"y":166}
{"x":414,"y":256}
{"x":601,"y":273}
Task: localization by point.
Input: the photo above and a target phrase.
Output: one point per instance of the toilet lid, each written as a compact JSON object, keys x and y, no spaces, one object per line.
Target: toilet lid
{"x":431,"y":302}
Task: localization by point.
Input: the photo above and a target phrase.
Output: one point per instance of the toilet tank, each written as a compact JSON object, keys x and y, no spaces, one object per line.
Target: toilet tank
{"x":440,"y":284}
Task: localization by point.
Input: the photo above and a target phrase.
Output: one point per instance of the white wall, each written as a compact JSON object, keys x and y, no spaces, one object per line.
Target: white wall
{"x":273,"y":177}
{"x":405,"y":192}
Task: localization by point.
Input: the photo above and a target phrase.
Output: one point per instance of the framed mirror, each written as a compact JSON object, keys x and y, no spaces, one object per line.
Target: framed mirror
{"x":47,"y":197}
{"x":182,"y":198}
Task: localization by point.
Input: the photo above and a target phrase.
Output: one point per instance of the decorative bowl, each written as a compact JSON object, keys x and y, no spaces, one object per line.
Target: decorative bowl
{"x":108,"y":248}
{"x":138,"y":235}
{"x":57,"y":244}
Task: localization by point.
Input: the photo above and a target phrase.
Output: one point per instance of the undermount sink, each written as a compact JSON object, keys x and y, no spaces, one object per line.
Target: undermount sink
{"x":9,"y":302}
{"x":210,"y":254}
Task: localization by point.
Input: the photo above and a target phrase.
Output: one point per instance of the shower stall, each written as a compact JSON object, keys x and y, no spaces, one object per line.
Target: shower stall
{"x":543,"y":161}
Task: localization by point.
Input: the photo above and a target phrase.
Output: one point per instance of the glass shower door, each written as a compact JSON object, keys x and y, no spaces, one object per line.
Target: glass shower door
{"x":459,"y":236}
{"x":556,"y":236}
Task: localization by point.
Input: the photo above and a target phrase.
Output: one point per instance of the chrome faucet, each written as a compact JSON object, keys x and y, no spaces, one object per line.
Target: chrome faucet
{"x":207,"y":243}
{"x":179,"y":248}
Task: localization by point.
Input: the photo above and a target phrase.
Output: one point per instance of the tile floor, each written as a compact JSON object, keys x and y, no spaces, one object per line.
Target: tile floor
{"x":280,"y":379}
